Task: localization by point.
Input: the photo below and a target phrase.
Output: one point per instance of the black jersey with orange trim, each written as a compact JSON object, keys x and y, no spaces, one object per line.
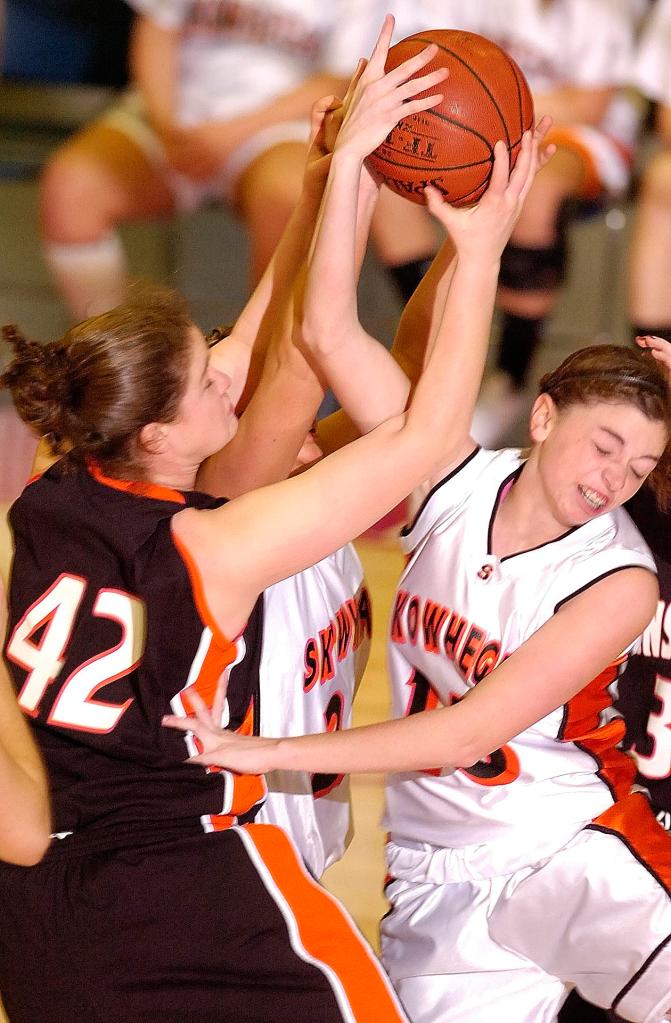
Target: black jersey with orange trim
{"x":104,"y":639}
{"x":645,"y":688}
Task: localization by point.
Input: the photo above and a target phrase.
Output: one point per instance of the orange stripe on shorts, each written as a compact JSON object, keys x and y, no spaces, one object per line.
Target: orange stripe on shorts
{"x":322,"y":931}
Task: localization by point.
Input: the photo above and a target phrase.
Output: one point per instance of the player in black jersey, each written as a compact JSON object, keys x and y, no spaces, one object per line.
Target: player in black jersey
{"x":134,"y":594}
{"x":24,"y":801}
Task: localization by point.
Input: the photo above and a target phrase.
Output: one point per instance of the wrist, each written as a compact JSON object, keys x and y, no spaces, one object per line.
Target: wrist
{"x":345,"y":160}
{"x":281,"y":755}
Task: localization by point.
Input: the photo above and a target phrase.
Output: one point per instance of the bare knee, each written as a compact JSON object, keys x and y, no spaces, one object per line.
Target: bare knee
{"x":98,"y":180}
{"x":74,"y":206}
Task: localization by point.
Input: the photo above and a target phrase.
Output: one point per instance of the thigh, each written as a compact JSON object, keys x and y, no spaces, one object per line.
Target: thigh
{"x":447,"y":968}
{"x":597,"y":914}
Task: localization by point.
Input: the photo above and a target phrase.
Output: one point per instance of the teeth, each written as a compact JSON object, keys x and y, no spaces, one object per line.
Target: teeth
{"x":593,"y":499}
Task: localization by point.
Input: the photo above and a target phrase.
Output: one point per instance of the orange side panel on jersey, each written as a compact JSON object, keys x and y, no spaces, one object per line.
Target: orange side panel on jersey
{"x":215,"y":663}
{"x":582,"y":726}
{"x":632,"y":817}
{"x":199,"y":594}
{"x":325,"y":932}
{"x":248,"y":790}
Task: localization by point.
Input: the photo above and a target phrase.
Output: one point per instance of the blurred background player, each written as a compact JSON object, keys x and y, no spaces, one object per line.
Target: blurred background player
{"x":219,"y":112}
{"x":650,"y":251}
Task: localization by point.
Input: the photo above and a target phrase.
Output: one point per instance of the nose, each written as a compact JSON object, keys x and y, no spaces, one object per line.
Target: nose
{"x":614,"y":476}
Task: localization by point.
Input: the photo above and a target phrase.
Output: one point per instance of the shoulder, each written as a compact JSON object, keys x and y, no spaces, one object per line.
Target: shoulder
{"x":477,"y":478}
{"x":609,"y":548}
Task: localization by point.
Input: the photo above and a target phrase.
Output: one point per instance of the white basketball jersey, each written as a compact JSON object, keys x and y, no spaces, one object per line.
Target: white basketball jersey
{"x":579,"y":42}
{"x":459,"y":611}
{"x":238,"y":55}
{"x":317,"y":628}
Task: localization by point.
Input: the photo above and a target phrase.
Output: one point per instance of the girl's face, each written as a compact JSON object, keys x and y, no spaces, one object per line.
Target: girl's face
{"x":593,"y":457}
{"x":205,"y":419}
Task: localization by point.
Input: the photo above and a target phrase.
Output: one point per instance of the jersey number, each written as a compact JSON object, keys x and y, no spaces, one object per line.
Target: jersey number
{"x":322,"y":784}
{"x":500,"y":768}
{"x":658,"y":763}
{"x":54,"y":616}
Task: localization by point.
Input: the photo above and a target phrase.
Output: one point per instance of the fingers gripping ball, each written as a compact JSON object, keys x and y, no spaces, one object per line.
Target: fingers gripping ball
{"x":485,"y":98}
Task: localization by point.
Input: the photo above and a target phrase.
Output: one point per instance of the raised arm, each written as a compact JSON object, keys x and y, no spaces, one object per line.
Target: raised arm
{"x":331,"y":329}
{"x":285,"y":400}
{"x":271,"y":533}
{"x":24,"y":799}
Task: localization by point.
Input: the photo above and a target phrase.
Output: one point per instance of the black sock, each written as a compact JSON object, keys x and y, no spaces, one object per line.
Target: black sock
{"x":407,"y":276}
{"x":519,"y":340}
{"x":641,"y":330}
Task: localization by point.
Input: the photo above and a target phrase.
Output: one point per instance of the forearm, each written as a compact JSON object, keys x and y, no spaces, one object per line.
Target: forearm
{"x":416,"y":743}
{"x":445,"y":395}
{"x":422,"y":315}
{"x":254,"y":327}
{"x":522,"y":690}
{"x":273,"y":427}
{"x":330,"y":306}
{"x":153,"y":66}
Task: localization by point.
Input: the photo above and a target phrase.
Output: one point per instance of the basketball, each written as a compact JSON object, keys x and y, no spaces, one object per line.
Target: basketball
{"x":485,"y":98}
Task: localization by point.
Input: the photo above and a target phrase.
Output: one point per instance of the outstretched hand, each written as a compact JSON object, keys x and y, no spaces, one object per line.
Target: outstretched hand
{"x":488,"y":224}
{"x":659,"y":349}
{"x":244,"y":754}
{"x":379,"y":100}
{"x":325,"y":122}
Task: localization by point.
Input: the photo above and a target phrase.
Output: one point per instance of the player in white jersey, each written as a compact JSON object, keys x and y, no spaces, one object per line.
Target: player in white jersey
{"x":500,"y":900}
{"x":501,"y":897}
{"x":219,"y":112}
{"x":317,"y":638}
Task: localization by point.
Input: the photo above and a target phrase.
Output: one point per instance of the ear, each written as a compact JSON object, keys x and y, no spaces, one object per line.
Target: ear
{"x":543,"y":418}
{"x":152,"y":438}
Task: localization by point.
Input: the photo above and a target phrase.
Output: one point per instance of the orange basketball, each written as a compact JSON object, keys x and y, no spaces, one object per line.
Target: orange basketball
{"x":485,"y":98}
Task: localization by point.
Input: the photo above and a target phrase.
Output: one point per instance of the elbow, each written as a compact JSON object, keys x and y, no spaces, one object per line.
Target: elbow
{"x":467,"y":745}
{"x":467,"y":754}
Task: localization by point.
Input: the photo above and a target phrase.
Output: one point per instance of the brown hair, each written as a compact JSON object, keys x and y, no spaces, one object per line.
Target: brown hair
{"x":613,"y":373}
{"x":97,"y":386}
